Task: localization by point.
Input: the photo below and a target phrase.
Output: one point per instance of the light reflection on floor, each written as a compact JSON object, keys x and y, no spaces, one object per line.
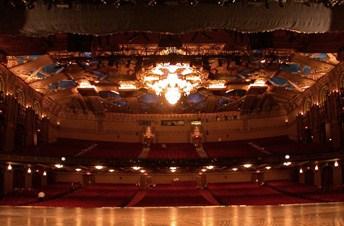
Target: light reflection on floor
{"x":290,"y":215}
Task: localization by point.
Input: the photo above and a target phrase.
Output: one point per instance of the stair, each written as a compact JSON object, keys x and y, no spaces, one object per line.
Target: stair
{"x":137,"y":198}
{"x":209,"y":197}
{"x":144,"y":153}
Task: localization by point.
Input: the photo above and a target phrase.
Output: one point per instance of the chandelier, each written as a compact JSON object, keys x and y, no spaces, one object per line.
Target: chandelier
{"x":172,"y":80}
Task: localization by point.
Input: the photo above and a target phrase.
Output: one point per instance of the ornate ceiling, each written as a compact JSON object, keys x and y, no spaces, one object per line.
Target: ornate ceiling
{"x":245,"y":81}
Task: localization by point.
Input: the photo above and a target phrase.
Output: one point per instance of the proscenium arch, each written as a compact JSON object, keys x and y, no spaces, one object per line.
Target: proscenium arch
{"x":323,"y":95}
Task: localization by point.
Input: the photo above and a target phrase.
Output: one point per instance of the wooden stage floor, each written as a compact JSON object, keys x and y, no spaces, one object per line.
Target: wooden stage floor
{"x":298,"y":215}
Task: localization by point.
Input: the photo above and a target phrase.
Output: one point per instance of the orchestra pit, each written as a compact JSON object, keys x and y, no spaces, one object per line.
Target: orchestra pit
{"x":171,"y":112}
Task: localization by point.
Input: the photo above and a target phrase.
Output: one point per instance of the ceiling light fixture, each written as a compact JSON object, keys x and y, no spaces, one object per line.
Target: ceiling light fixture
{"x":58,"y":166}
{"x":234,"y":169}
{"x":99,"y":167}
{"x":172,"y":80}
{"x":136,"y":168}
{"x":247,"y":165}
{"x":78,"y":169}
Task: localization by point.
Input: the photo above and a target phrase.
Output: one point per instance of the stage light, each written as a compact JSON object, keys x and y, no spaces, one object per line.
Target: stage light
{"x":9,"y":167}
{"x":59,"y":166}
{"x":267,"y":167}
{"x":78,"y":169}
{"x":99,"y":167}
{"x":287,"y":156}
{"x":247,"y":165}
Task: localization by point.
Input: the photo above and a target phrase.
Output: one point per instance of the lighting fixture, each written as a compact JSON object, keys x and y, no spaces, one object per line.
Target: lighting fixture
{"x":203,"y":170}
{"x":44,"y":173}
{"x":111,"y":170}
{"x":210,"y":167}
{"x":59,"y":166}
{"x":287,"y":163}
{"x":78,"y":169}
{"x":9,"y":167}
{"x":234,"y":169}
{"x":173,"y":169}
{"x":267,"y":167}
{"x":247,"y":165}
{"x":63,"y":158}
{"x":336,"y":164}
{"x":29,"y":170}
{"x":287,"y":156}
{"x":99,"y":167}
{"x":142,"y":171}
{"x":136,"y":168}
{"x":172,"y":80}
{"x":300,"y":171}
{"x":316,"y":168}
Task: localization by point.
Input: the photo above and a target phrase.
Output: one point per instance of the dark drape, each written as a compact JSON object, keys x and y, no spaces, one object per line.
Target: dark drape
{"x":102,"y":20}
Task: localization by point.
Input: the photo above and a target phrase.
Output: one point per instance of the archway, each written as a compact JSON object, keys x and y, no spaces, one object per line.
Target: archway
{"x":309,"y":177}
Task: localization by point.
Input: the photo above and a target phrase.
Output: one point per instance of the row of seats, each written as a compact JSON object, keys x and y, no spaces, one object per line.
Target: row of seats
{"x":232,"y":149}
{"x":175,"y":194}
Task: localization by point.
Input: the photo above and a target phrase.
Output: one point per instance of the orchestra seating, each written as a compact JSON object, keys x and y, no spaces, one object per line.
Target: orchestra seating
{"x":250,"y":194}
{"x":172,"y":151}
{"x":96,"y":195}
{"x":177,"y":194}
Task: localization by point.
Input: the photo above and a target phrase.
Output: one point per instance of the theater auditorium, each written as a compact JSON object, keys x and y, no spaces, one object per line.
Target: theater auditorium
{"x":171,"y":112}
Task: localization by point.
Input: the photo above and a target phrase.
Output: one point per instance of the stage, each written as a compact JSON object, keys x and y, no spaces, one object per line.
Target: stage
{"x":307,"y":214}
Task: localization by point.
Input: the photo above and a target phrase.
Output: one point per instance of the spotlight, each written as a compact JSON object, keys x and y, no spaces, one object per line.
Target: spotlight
{"x":9,"y":167}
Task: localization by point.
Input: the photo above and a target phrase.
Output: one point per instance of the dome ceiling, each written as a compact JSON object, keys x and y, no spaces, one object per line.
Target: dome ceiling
{"x":247,"y":82}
